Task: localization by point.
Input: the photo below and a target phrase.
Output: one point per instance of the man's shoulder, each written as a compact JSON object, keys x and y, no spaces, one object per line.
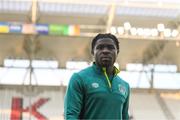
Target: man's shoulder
{"x":85,"y":71}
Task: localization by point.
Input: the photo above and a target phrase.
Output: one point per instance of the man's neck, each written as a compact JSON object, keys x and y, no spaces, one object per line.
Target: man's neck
{"x":110,"y":70}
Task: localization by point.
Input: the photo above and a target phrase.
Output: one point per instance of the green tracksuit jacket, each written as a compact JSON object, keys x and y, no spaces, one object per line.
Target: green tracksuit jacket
{"x":91,"y":95}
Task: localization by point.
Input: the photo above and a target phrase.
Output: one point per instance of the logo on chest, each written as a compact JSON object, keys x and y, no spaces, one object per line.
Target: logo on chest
{"x":122,"y":89}
{"x":95,"y":85}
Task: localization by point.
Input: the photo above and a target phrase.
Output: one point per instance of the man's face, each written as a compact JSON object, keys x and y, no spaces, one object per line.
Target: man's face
{"x":105,"y":52}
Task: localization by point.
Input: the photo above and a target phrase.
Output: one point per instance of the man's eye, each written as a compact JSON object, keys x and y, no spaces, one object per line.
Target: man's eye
{"x":108,"y":47}
{"x":111,"y":47}
{"x":100,"y":47}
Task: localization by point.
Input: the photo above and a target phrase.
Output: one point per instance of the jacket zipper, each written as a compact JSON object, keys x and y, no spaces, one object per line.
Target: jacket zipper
{"x":107,"y":78}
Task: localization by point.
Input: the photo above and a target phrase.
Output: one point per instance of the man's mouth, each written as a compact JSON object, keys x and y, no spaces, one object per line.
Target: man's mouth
{"x":105,"y":58}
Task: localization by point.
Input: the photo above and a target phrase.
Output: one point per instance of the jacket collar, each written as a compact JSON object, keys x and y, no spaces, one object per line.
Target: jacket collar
{"x":100,"y":71}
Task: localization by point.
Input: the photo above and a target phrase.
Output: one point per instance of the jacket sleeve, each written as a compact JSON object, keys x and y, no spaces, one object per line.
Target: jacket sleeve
{"x":125,"y":114}
{"x":74,"y":98}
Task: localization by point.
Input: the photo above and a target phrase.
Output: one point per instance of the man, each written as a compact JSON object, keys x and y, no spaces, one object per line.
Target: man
{"x":97,"y":92}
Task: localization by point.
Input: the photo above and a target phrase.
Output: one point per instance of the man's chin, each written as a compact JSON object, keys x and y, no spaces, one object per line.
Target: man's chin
{"x":106,"y":63}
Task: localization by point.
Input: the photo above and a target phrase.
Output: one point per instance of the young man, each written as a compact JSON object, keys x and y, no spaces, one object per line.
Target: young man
{"x":97,"y":92}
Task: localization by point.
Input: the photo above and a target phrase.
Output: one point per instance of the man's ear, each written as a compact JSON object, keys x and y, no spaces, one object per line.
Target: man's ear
{"x":117,"y":51}
{"x":92,"y":52}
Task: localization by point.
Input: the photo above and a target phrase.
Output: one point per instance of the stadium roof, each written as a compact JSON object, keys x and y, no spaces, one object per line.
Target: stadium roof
{"x":93,"y":17}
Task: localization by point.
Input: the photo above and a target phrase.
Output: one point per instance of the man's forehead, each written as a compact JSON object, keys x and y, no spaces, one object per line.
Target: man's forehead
{"x":105,"y":41}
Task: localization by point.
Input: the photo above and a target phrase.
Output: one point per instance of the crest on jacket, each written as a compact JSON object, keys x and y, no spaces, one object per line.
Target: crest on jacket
{"x":122,"y":89}
{"x":95,"y":85}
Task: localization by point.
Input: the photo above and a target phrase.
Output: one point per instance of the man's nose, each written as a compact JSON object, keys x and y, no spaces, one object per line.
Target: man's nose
{"x":105,"y":50}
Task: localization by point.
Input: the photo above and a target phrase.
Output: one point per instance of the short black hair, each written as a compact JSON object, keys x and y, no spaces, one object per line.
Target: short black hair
{"x":105,"y":35}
